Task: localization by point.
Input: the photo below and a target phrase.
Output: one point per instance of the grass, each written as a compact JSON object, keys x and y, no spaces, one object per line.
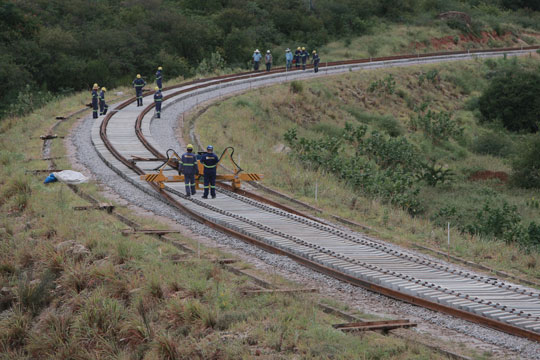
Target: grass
{"x":125,"y":297}
{"x":391,"y":39}
{"x":324,"y":106}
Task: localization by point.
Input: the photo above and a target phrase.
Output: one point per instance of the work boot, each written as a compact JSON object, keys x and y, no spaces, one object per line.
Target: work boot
{"x":213,"y":197}
{"x":205,"y":197}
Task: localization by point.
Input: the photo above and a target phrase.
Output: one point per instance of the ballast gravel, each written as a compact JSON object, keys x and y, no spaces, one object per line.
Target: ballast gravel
{"x":438,"y":325}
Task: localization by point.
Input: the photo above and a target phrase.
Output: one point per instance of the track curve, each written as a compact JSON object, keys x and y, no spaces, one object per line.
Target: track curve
{"x":125,"y":132}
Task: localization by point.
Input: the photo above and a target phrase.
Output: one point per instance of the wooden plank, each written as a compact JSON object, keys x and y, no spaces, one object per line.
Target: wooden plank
{"x":101,"y":206}
{"x":148,"y":231}
{"x":280,"y":291}
{"x":384,"y":325}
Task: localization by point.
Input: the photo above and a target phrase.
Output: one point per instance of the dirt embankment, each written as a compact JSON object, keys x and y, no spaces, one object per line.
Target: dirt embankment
{"x":457,"y":42}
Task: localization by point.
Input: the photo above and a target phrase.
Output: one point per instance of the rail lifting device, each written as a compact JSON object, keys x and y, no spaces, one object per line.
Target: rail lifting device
{"x":173,"y":161}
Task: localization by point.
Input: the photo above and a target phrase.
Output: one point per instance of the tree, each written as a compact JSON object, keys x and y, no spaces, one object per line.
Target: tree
{"x":526,"y":166}
{"x":512,"y":98}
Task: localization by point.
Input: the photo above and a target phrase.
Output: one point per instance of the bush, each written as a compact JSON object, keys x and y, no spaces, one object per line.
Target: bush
{"x":493,"y":144}
{"x":512,"y":99}
{"x":495,"y":221}
{"x":390,"y":125}
{"x":526,"y":166}
{"x":437,"y":126}
{"x":379,"y":166}
{"x":296,"y":87}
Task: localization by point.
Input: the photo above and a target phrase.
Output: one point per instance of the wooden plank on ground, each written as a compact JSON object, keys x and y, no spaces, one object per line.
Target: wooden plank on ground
{"x":385,"y":325}
{"x":100,"y":206}
{"x":279,"y":291}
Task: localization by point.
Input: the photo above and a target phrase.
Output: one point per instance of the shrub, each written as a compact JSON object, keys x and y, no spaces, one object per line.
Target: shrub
{"x":296,"y":87}
{"x":512,"y":99}
{"x":437,"y":126}
{"x":33,"y":297}
{"x":382,"y":167}
{"x":495,"y":221}
{"x":526,"y":166}
{"x":390,"y":125}
{"x":385,"y":86}
{"x":495,"y":144}
{"x":434,"y":174}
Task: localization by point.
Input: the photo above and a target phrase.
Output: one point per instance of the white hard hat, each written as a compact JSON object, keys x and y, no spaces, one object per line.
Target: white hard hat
{"x":256,"y":50}
{"x":288,"y":50}
{"x":268,"y":51}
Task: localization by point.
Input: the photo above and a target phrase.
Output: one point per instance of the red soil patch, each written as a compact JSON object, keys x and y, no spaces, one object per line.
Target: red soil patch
{"x":487,"y":175}
{"x":448,"y":42}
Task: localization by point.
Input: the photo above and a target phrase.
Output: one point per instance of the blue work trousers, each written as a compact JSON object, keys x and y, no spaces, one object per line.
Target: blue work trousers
{"x":209,"y":184}
{"x":138,"y":93}
{"x":189,"y":180}
{"x":103,"y":107}
{"x":158,"y":109}
{"x":95,"y":108}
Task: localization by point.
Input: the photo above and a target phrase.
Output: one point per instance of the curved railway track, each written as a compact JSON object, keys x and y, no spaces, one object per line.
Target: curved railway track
{"x":359,"y":260}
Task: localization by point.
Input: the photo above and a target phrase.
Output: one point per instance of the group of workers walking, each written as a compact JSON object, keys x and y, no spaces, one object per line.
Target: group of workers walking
{"x":188,"y":167}
{"x":138,"y":84}
{"x":301,"y":56}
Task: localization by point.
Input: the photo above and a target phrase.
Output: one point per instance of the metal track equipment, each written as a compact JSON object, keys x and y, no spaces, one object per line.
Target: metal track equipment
{"x":173,"y":161}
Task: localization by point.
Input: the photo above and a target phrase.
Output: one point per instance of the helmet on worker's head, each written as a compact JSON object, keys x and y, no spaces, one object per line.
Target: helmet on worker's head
{"x":138,"y":76}
{"x":104,"y":88}
{"x":298,"y":48}
{"x":95,"y":86}
{"x":210,"y":148}
{"x":287,"y":50}
{"x":303,"y":48}
{"x":160,"y":68}
{"x":268,"y":51}
{"x":156,"y":88}
{"x":256,"y":50}
{"x":314,"y":51}
{"x":189,"y":146}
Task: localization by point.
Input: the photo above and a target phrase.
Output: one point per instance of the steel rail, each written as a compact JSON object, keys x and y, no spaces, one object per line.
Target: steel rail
{"x":312,"y":264}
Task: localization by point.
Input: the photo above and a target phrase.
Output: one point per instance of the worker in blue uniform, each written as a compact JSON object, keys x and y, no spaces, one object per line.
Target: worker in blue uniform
{"x":103,"y":107}
{"x":209,"y":161}
{"x":315,"y":60}
{"x":256,"y":59}
{"x":138,"y":84}
{"x":159,"y":78}
{"x":95,"y":95}
{"x":297,"y":54}
{"x":158,"y":99}
{"x":305,"y":57}
{"x":188,"y":167}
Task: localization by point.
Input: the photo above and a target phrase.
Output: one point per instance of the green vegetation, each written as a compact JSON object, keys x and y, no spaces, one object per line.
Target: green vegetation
{"x":72,"y":287}
{"x":447,"y":166}
{"x":512,"y":99}
{"x":52,"y":48}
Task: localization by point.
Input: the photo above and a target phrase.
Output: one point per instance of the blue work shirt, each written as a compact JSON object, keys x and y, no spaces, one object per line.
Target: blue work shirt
{"x":257,"y":57}
{"x":209,"y":161}
{"x":139,"y":83}
{"x":158,"y":96}
{"x":188,"y":163}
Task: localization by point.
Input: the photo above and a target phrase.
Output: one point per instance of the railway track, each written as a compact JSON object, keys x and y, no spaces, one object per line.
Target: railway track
{"x":126,"y":132}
